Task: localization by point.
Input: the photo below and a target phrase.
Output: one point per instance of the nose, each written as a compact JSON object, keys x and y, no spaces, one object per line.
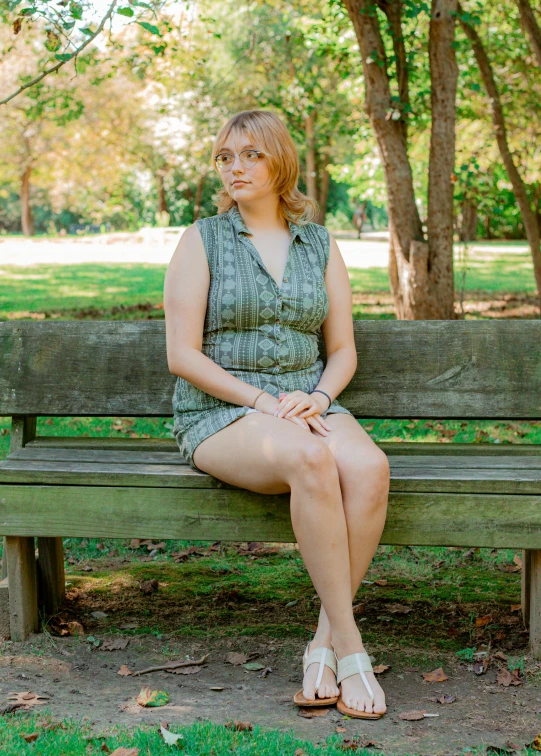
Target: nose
{"x":237,"y":165}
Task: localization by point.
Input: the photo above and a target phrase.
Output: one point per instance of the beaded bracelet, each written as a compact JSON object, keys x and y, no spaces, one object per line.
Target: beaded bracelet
{"x":323,"y":392}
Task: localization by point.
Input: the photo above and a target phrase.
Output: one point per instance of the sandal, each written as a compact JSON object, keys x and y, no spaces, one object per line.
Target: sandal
{"x":326,"y":658}
{"x":355,"y":664}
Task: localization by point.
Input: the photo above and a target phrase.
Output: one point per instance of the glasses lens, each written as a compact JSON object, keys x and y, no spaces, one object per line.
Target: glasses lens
{"x":249,"y":157}
{"x":225,"y":160}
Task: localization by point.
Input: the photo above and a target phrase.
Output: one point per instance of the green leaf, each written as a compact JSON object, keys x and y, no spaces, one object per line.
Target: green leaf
{"x":149,"y":27}
{"x":76,"y":10}
{"x":86,"y":30}
{"x":126,"y":11}
{"x":63,"y":56}
{"x":159,"y":698}
{"x":68,"y":25}
{"x":253,"y":666}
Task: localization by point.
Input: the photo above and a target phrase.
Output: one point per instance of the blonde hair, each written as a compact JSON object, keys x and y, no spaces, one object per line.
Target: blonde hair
{"x":267,"y":133}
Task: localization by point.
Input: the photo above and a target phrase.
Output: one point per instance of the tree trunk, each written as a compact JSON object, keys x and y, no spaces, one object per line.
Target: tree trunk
{"x":163,"y":207}
{"x":444,"y":76}
{"x":529,"y":216}
{"x":420,"y":272}
{"x":468,"y":225}
{"x":27,"y":221}
{"x":311,"y":173}
{"x":531,"y":27}
{"x":325,"y":178}
{"x":198,"y":196}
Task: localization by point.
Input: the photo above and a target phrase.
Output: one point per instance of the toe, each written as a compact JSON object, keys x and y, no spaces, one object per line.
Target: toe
{"x":309,"y":693}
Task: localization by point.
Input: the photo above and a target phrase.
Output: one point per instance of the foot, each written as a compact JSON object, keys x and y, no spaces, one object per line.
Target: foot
{"x":328,"y":687}
{"x":354,"y":693}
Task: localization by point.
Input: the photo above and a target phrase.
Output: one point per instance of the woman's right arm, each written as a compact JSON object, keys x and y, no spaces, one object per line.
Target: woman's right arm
{"x":186,"y":290}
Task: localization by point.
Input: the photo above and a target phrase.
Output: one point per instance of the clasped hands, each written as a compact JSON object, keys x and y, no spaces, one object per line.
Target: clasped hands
{"x":299,"y":407}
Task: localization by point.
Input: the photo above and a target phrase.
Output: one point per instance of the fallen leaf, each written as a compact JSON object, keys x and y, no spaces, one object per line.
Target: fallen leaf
{"x":481,"y":666}
{"x":299,"y":752}
{"x":437,"y":675}
{"x":500,"y":655}
{"x":506,"y":679}
{"x":254,"y":666}
{"x":99,"y":615}
{"x":148,"y":697}
{"x":508,"y":567}
{"x":398,"y":608}
{"x":446,"y":699}
{"x":125,"y":752}
{"x":536,"y":743}
{"x":157,"y":546}
{"x":170,"y":737}
{"x":30,"y":737}
{"x":340,"y":729}
{"x":124,"y":671}
{"x":149,"y":586}
{"x":358,"y":609}
{"x":319,"y":711}
{"x":411,"y":716}
{"x":382,"y":581}
{"x":239,"y":726}
{"x":236,"y":659}
{"x":483,"y":621}
{"x":185,"y":670}
{"x":379,"y":669}
{"x":27,"y":699}
{"x":516,"y":607}
{"x":115,"y":644}
{"x":135,"y":543}
{"x":518,"y":561}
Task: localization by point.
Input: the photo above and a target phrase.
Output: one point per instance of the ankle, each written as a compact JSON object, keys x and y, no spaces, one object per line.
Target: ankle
{"x":347,"y":644}
{"x":321,"y":638}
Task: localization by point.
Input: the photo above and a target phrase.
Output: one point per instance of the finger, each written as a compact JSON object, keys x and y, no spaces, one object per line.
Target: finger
{"x":300,"y":407}
{"x":318,"y":425}
{"x":280,"y":412}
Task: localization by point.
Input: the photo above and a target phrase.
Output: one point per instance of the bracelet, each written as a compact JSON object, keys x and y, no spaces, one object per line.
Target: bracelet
{"x":323,"y":392}
{"x":257,"y":397}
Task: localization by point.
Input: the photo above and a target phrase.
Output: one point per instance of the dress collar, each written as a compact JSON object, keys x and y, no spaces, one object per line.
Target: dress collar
{"x":238,"y":222}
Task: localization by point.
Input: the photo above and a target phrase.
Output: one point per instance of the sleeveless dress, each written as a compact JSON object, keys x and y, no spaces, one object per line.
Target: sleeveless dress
{"x":264,"y":334}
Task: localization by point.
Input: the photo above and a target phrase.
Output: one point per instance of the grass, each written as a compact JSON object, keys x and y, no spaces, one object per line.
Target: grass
{"x":201,"y":739}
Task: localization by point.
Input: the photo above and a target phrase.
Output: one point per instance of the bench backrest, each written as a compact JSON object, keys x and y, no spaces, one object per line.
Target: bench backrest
{"x":439,"y":369}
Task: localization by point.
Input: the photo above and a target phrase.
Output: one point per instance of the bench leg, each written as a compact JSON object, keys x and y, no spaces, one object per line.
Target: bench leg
{"x":50,"y":575}
{"x":4,"y":561}
{"x":4,"y":609}
{"x":526,"y":586}
{"x":534,"y":569}
{"x":23,"y":599}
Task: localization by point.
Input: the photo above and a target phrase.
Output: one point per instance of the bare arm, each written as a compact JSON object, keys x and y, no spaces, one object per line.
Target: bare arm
{"x":337,"y":329}
{"x":186,"y":290}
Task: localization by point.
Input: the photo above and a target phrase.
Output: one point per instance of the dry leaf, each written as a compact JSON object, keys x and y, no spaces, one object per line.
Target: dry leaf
{"x":124,"y":671}
{"x":516,"y":607}
{"x":437,"y":675}
{"x":27,"y":699}
{"x":114,"y":644}
{"x":125,"y":752}
{"x":30,"y":737}
{"x":506,"y":679}
{"x":239,"y":726}
{"x":318,"y":711}
{"x":398,"y":608}
{"x":412,"y":716}
{"x":446,"y":699}
{"x":536,"y":743}
{"x":379,"y":669}
{"x":149,"y":586}
{"x":184,"y":670}
{"x":236,"y":659}
{"x":380,"y":582}
{"x":75,"y":628}
{"x":483,"y":621}
{"x":358,"y":609}
{"x":170,"y":737}
{"x":518,"y":561}
{"x":340,"y":729}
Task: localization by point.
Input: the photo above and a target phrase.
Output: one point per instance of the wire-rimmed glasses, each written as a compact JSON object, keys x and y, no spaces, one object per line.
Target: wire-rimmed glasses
{"x":248,"y":158}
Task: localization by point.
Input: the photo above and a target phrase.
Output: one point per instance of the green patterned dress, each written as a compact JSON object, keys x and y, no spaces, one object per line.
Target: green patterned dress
{"x":264,"y":334}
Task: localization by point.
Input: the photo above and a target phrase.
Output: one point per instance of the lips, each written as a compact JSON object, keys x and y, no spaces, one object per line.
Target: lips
{"x":239,"y":183}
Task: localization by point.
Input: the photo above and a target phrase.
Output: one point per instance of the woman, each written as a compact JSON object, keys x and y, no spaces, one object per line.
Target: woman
{"x":246,"y":294}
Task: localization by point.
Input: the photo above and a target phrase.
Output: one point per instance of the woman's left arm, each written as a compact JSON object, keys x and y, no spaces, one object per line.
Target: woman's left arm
{"x":337,"y":330}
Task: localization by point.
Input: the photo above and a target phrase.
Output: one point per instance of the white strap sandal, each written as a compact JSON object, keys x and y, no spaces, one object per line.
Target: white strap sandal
{"x":355,"y":664}
{"x":325,"y":658}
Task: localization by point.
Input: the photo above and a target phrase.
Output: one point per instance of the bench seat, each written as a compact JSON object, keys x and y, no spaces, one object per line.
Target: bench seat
{"x":439,"y":495}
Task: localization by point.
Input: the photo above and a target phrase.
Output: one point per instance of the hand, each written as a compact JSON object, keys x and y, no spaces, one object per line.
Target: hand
{"x":304,"y":406}
{"x":268,"y":404}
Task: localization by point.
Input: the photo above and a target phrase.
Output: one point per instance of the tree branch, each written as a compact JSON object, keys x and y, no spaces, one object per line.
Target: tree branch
{"x":531,"y":26}
{"x":393,"y":11}
{"x":61,"y":63}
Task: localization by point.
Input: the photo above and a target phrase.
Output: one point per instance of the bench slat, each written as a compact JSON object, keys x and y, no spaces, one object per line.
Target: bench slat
{"x":439,"y":369}
{"x":423,"y":474}
{"x":442,"y":519}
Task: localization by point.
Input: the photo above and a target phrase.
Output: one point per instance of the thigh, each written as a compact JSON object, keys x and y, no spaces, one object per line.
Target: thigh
{"x":256,"y":452}
{"x":349,"y":442}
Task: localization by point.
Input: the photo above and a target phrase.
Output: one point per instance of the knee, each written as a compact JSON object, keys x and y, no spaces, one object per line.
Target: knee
{"x":314,"y":460}
{"x":369,"y":471}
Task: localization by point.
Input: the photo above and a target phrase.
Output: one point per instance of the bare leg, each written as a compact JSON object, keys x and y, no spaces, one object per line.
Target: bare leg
{"x":278,"y":455}
{"x":363,"y":471}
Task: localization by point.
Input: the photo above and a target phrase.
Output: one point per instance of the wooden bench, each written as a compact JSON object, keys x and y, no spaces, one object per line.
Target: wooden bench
{"x":442,"y":494}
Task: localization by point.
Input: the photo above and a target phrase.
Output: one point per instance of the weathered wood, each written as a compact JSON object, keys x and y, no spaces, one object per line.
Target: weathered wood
{"x":525,"y":585}
{"x":440,"y":519}
{"x":4,"y":608}
{"x":50,"y":575}
{"x":454,"y":369}
{"x":513,"y":475}
{"x":23,"y":601}
{"x":535,"y":603}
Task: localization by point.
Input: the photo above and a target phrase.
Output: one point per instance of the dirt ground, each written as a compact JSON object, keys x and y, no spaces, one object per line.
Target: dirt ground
{"x":82,"y":681}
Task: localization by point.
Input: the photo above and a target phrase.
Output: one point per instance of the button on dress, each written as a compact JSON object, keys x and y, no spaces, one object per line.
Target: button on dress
{"x":264,"y":334}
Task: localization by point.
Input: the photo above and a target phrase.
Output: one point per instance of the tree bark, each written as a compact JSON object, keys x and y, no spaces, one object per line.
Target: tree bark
{"x":420,"y":272}
{"x":163,"y":206}
{"x":393,"y":11}
{"x":444,"y":76}
{"x":311,"y":173}
{"x":529,"y":22}
{"x":324,"y":181}
{"x":198,"y":196}
{"x":27,"y":221}
{"x":529,"y":216}
{"x":468,"y":226}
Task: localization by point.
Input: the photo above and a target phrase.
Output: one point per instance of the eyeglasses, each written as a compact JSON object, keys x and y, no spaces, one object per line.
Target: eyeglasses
{"x":248,"y":158}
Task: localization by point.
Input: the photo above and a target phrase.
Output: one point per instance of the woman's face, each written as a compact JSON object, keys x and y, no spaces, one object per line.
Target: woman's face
{"x":252,"y":182}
